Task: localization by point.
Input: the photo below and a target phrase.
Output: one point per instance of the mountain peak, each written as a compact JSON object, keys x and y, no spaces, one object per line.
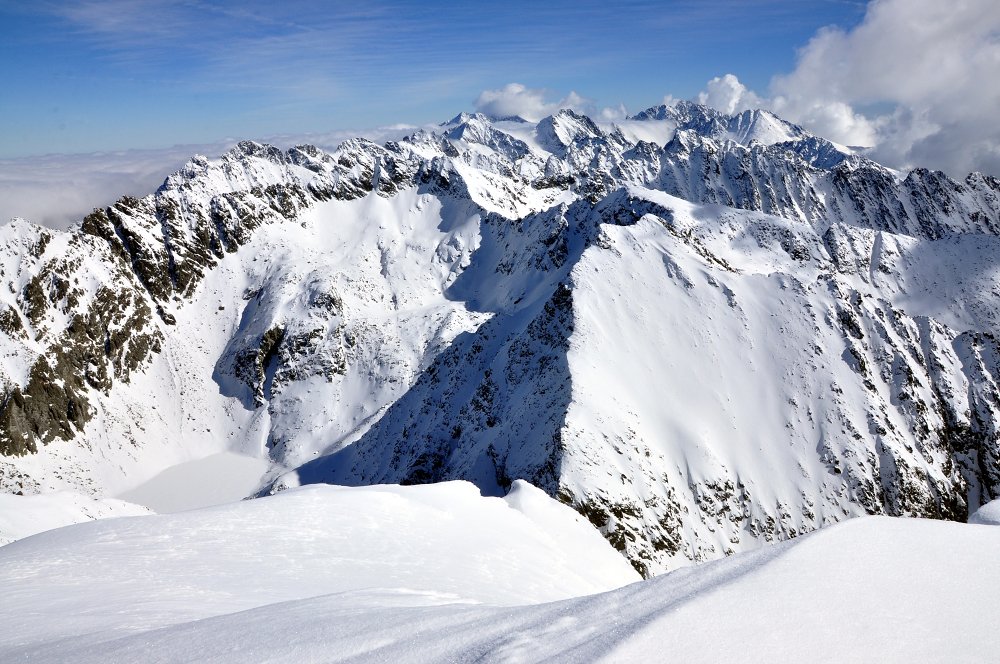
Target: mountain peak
{"x":564,"y":127}
{"x":259,"y":150}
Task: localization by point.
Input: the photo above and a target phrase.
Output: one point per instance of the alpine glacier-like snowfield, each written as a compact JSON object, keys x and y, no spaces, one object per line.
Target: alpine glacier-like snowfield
{"x":436,"y":573}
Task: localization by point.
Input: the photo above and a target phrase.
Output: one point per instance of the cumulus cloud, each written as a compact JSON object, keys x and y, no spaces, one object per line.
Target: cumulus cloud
{"x":916,"y":80}
{"x":529,"y":103}
{"x":728,"y":95}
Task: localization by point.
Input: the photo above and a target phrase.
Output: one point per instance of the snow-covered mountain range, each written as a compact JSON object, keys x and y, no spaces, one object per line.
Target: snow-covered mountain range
{"x":700,"y":331}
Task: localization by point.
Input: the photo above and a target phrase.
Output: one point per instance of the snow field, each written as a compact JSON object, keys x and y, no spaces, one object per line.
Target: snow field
{"x":417,"y":574}
{"x":73,"y":588}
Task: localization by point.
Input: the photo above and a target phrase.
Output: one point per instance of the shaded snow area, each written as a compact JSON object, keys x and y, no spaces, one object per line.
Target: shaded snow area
{"x":437,"y":573}
{"x":987,"y":515}
{"x":214,"y":480}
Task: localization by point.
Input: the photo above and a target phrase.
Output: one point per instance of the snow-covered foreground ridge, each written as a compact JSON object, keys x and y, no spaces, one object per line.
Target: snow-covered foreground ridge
{"x":437,"y":573}
{"x":701,"y":331}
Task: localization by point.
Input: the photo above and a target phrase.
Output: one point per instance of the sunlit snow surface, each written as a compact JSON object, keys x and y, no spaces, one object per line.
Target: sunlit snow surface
{"x":712,"y":378}
{"x":718,"y":379}
{"x":22,"y":516}
{"x":71,"y":589}
{"x":437,"y":573}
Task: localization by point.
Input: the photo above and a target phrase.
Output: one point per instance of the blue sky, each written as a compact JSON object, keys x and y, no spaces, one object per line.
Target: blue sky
{"x":125,"y":74}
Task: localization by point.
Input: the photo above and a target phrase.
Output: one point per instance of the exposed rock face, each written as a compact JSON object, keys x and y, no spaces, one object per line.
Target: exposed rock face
{"x":738,"y":335}
{"x":84,"y":336}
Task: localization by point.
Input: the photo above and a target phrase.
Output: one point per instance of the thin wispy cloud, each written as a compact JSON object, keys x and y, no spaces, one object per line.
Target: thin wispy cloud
{"x":132,"y":73}
{"x":220,"y":45}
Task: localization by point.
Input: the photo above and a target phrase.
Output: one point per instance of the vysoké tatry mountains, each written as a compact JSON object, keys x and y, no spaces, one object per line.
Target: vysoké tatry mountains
{"x":702,"y":332}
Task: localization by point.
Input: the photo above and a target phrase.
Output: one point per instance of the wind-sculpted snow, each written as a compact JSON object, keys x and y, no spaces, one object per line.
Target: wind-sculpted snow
{"x":430,"y":546}
{"x":376,"y":574}
{"x":701,"y":331}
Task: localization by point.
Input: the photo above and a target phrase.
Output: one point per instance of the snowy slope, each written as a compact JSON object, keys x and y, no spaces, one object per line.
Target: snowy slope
{"x":623,"y":373}
{"x":712,"y":333}
{"x":22,"y":516}
{"x":880,"y":588}
{"x":356,"y":289}
{"x":80,"y":586}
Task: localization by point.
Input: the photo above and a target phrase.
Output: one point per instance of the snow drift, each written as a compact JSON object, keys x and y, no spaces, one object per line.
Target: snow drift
{"x":436,"y":573}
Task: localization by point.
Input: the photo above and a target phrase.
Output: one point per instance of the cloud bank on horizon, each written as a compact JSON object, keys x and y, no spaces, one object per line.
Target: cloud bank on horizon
{"x":915,"y":80}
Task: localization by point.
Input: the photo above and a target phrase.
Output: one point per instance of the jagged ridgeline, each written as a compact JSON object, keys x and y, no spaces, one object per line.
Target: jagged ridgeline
{"x":702,"y":331}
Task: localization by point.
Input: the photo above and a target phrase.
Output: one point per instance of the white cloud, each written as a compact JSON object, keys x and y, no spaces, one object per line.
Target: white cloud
{"x":529,"y":103}
{"x":58,"y":190}
{"x":728,"y":95}
{"x":918,"y":80}
{"x":831,"y":119}
{"x":614,"y":113}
